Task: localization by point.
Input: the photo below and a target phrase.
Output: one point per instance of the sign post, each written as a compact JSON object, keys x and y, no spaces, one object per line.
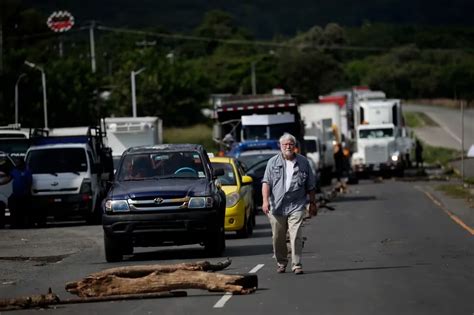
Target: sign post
{"x":59,"y":22}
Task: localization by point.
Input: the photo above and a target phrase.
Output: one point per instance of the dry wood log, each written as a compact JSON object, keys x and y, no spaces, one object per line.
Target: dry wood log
{"x":41,"y":300}
{"x":50,"y":299}
{"x":109,"y":285}
{"x":141,"y":271}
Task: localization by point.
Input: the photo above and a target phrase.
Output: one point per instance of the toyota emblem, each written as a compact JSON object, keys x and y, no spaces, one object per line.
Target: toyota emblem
{"x":158,"y":200}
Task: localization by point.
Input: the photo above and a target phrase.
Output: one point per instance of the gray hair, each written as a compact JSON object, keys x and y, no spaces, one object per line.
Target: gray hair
{"x":287,"y":136}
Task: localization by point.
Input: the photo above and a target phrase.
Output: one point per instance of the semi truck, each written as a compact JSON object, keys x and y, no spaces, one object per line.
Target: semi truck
{"x":377,"y":151}
{"x":240,"y":118}
{"x":382,"y":143}
{"x":322,"y":121}
{"x":125,"y":132}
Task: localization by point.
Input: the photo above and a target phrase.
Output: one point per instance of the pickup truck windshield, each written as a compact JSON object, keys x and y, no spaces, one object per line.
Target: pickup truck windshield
{"x":161,"y":164}
{"x":59,"y":160}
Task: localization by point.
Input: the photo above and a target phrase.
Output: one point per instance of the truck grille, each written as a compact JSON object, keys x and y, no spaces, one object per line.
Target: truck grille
{"x":376,"y":154}
{"x":158,"y":204}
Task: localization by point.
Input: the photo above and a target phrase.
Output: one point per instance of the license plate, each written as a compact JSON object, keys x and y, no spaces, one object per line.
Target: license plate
{"x":57,"y":200}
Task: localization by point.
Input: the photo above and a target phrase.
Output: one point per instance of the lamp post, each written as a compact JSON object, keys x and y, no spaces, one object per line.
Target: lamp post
{"x":16,"y":96}
{"x":43,"y":79}
{"x":134,"y":97}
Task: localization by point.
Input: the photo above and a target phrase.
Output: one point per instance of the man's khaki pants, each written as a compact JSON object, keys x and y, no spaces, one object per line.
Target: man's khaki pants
{"x":280,"y":225}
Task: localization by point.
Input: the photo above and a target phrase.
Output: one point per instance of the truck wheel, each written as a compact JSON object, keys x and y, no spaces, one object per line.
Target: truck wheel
{"x":2,"y":215}
{"x":215,"y":244}
{"x":112,"y":249}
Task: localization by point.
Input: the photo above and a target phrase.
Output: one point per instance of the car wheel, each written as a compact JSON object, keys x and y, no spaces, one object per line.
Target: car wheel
{"x":112,"y":249}
{"x":215,"y":244}
{"x":244,"y":231}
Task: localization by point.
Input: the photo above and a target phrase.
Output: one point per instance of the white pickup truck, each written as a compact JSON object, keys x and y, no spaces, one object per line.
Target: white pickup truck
{"x":70,"y":174}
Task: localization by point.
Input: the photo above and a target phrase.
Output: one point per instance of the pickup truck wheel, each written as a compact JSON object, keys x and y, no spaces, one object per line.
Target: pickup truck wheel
{"x":215,"y":244}
{"x":112,"y":249}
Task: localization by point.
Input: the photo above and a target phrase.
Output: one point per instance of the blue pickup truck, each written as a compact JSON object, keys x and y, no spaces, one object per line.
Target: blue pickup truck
{"x":164,"y":195}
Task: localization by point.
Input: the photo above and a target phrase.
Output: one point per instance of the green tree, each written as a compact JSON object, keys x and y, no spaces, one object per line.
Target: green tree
{"x":309,"y":74}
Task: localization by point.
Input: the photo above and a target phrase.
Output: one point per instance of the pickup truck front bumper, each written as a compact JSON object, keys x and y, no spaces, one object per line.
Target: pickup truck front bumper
{"x":157,"y":229}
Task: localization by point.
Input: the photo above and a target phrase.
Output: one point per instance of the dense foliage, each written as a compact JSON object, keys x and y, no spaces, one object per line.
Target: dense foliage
{"x":181,"y":70}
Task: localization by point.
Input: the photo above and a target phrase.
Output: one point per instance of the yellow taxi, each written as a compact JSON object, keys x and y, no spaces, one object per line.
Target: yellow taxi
{"x":239,"y":213}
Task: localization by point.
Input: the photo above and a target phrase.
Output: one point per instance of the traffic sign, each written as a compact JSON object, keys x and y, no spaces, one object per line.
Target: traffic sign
{"x":60,"y":21}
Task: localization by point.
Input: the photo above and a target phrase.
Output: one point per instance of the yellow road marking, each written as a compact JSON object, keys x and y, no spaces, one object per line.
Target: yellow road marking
{"x":449,"y":213}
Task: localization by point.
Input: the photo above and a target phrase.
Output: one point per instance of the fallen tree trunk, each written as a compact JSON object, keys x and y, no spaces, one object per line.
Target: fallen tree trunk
{"x":141,"y":271}
{"x":42,"y":300}
{"x":142,"y":282}
{"x":109,"y":284}
{"x":46,"y":300}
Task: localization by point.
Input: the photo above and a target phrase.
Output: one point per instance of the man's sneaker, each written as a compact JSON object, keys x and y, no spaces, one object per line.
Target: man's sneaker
{"x":281,"y":269}
{"x":298,"y":270}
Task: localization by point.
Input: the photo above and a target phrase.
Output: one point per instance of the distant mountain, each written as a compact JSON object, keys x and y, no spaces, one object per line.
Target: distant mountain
{"x":264,"y":18}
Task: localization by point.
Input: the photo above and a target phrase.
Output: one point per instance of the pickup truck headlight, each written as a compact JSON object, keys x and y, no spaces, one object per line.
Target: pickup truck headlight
{"x":116,"y":206}
{"x":200,"y":202}
{"x":231,"y":199}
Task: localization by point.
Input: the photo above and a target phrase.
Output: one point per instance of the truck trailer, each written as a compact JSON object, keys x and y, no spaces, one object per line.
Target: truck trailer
{"x":242,"y":118}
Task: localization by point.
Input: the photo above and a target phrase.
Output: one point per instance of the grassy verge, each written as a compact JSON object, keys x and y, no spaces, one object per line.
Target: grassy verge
{"x":199,"y":134}
{"x":437,"y":155}
{"x":431,"y":155}
{"x":459,"y":192}
{"x":418,"y":120}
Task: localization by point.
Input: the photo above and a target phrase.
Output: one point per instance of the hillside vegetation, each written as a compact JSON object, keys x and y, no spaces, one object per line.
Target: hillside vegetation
{"x":182,"y":69}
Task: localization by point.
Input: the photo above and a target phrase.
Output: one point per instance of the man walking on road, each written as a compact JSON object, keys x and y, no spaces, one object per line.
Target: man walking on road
{"x":286,"y":185}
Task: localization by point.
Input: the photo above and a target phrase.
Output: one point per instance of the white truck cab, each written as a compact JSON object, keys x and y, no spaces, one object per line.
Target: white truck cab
{"x":377,"y":149}
{"x":70,"y":174}
{"x":65,"y":179}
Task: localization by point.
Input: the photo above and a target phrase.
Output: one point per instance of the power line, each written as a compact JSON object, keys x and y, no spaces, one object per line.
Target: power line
{"x":235,"y":41}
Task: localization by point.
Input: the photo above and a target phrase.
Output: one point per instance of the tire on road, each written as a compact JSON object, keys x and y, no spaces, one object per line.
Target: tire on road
{"x":113,"y":252}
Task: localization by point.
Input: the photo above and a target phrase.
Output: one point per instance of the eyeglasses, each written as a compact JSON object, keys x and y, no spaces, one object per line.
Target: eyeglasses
{"x":287,"y":144}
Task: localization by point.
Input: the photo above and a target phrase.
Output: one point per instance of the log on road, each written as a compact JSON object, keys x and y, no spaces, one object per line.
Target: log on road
{"x":51,"y":299}
{"x":109,"y":285}
{"x":144,"y":270}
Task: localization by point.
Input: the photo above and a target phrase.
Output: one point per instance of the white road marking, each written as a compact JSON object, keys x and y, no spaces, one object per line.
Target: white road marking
{"x":256,"y":268}
{"x":226,"y":297}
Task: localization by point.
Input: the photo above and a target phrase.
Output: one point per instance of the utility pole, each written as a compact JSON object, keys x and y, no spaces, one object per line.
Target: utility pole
{"x":462,"y":141}
{"x":16,"y":96}
{"x":254,"y":81}
{"x":1,"y":44}
{"x":92,"y":44}
{"x":43,"y":81}
{"x":134,"y":93}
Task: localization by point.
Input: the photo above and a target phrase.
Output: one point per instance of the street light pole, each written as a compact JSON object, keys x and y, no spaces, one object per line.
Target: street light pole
{"x":134,"y":97}
{"x":462,"y":141}
{"x":253,"y":78}
{"x":43,"y":79}
{"x":16,"y":96}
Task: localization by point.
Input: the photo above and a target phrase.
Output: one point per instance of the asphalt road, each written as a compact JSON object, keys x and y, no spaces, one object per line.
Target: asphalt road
{"x":449,"y":132}
{"x":376,"y":253}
